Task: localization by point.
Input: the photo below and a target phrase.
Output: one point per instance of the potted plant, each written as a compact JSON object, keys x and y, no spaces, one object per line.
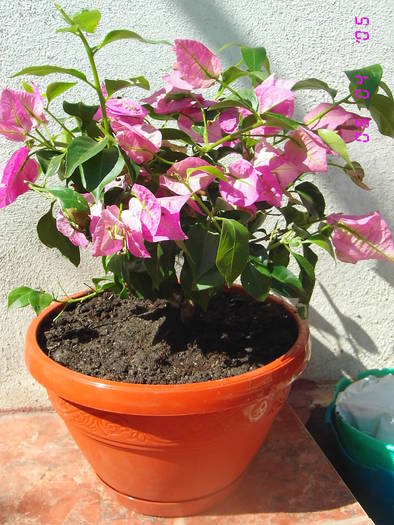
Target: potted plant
{"x":167,"y":374}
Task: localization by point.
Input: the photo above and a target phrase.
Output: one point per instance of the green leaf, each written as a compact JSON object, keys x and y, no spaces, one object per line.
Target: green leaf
{"x":57,"y":88}
{"x":27,"y":87}
{"x":69,"y":29}
{"x":23,"y":296}
{"x":140,"y":81}
{"x":84,"y":115}
{"x":114,"y":264}
{"x":50,"y":162}
{"x":248,"y":121}
{"x":386,"y":89}
{"x":382,"y":111}
{"x":280,"y":255}
{"x":322,"y":239}
{"x":371,"y":84}
{"x":115,"y":85}
{"x":176,"y":134}
{"x":314,"y":83}
{"x":78,"y":109}
{"x":44,"y":157}
{"x":258,"y":77}
{"x":19,"y":297}
{"x":125,"y":34}
{"x":54,"y":165}
{"x":69,"y":199}
{"x":250,"y":96}
{"x":42,"y":71}
{"x":160,"y":266}
{"x":110,"y":165}
{"x":200,"y":278}
{"x":200,"y":297}
{"x":334,"y":142}
{"x":232,"y":73}
{"x":212,"y":170}
{"x":210,"y":280}
{"x":39,"y":300}
{"x":137,"y":278}
{"x":97,"y":168}
{"x":233,"y":250}
{"x":51,"y":237}
{"x":291,"y":214}
{"x":254,"y":57}
{"x":80,"y":150}
{"x":132,"y":168}
{"x":277,"y":120}
{"x":307,"y":263}
{"x":256,"y":279}
{"x":286,"y":283}
{"x":87,"y":19}
{"x":311,"y":198}
{"x":201,"y":248}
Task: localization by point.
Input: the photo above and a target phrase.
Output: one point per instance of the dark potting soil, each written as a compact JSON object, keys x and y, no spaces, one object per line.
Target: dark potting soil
{"x":143,"y":341}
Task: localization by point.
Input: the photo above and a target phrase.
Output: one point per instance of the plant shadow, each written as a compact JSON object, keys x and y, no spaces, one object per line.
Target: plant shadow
{"x":217,"y":27}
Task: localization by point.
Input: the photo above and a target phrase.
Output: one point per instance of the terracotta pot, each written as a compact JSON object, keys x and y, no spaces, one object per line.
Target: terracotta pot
{"x":169,"y":450}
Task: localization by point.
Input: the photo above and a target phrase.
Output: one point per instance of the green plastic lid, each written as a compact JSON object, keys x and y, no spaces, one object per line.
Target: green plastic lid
{"x":363,"y":448}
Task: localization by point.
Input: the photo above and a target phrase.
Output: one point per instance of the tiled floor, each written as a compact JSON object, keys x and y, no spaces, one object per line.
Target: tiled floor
{"x":44,"y":480}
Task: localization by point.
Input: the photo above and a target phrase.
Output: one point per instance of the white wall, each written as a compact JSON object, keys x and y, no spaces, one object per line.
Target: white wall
{"x":351,"y":316}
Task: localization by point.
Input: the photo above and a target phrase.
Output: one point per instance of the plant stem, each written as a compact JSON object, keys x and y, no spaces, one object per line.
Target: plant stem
{"x":163,"y":160}
{"x":80,"y":299}
{"x":335,"y":165}
{"x":59,"y":122}
{"x":46,"y":143}
{"x":204,"y":118}
{"x":97,"y":85}
{"x":76,"y":300}
{"x":200,"y":202}
{"x":41,"y":191}
{"x":229,"y":137}
{"x":47,"y":132}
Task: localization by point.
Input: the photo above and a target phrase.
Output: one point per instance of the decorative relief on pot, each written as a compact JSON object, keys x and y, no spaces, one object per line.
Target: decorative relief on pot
{"x":267,"y":405}
{"x":120,"y":428}
{"x":103,"y":425}
{"x":256,"y":411}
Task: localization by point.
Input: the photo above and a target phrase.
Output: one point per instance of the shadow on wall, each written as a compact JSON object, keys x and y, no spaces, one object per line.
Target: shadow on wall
{"x":352,"y":333}
{"x":385,"y":270}
{"x":215,"y":24}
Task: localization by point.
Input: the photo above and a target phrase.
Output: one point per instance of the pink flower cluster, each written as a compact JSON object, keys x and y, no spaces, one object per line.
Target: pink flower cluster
{"x":147,"y":218}
{"x":20,"y":112}
{"x":247,"y":181}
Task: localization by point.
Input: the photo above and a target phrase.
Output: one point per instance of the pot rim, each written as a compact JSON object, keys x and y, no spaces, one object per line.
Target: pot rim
{"x":116,"y":396}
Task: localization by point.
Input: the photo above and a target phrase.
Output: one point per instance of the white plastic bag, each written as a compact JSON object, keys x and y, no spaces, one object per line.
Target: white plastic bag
{"x":368,"y":405}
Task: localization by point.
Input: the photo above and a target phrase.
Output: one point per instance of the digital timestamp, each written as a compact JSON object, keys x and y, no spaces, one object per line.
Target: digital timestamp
{"x":361,"y":36}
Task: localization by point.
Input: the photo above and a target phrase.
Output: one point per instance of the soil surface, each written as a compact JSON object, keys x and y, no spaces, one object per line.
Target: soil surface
{"x":143,"y":341}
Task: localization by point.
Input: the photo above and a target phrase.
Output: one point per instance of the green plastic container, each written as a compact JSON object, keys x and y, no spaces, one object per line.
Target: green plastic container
{"x":364,"y":449}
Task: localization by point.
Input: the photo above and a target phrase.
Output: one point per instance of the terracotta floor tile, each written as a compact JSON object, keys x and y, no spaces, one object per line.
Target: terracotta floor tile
{"x":45,"y":480}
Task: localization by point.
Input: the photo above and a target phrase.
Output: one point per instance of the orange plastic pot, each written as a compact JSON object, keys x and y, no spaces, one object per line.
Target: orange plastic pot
{"x":169,"y":450}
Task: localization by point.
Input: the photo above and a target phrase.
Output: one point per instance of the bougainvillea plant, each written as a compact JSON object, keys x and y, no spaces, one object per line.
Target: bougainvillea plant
{"x":196,"y":185}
